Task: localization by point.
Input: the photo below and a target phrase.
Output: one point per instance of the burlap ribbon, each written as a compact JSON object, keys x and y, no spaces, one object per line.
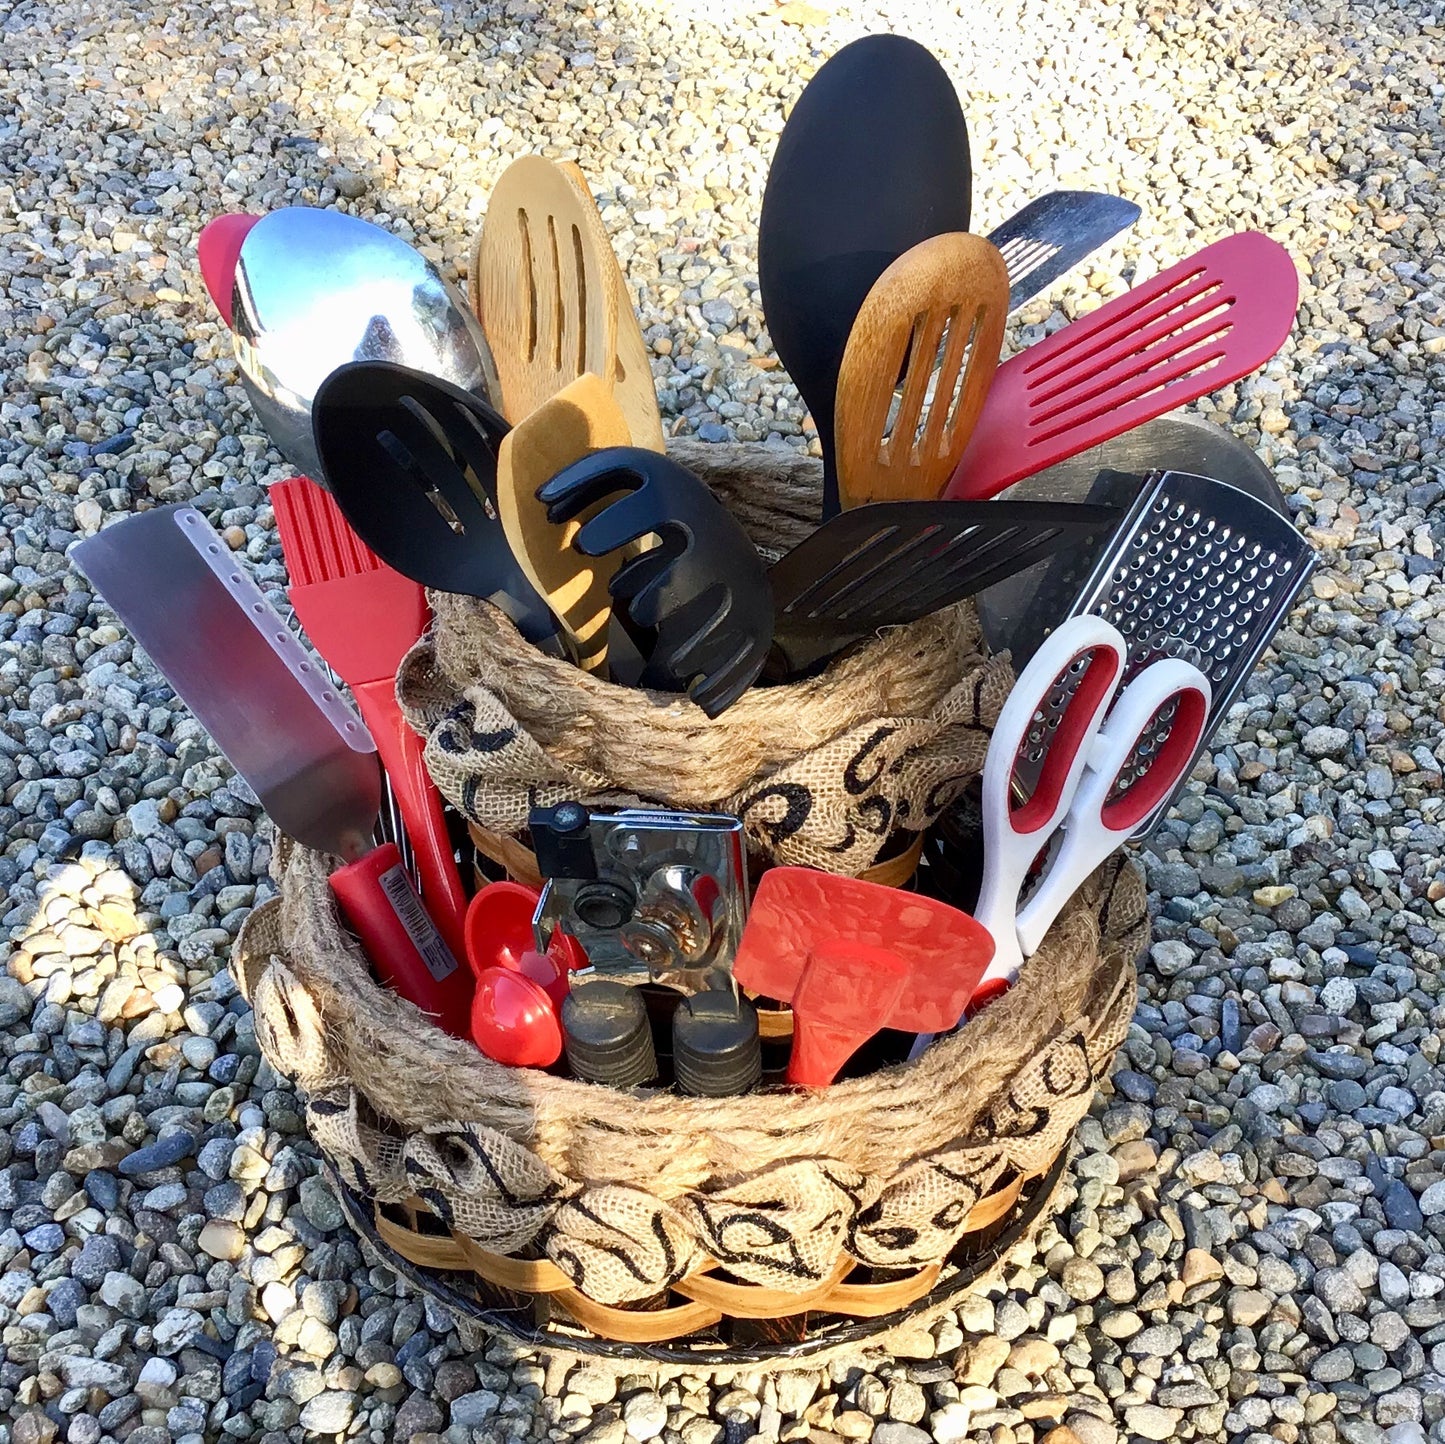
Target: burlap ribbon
{"x":782,"y":1223}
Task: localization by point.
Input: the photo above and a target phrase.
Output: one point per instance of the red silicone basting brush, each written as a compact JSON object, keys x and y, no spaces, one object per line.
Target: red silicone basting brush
{"x":363,"y":618}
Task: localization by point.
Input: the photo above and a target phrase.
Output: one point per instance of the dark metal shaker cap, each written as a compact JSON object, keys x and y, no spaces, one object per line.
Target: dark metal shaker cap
{"x":607,"y":1035}
{"x":716,"y":1051}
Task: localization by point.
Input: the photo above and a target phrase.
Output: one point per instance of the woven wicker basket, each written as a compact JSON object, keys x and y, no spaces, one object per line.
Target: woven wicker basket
{"x":657,"y":1226}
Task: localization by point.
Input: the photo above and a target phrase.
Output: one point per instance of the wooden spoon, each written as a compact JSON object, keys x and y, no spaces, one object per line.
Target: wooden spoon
{"x":631,"y":374}
{"x":581,"y":418}
{"x":543,"y":285}
{"x":948,"y":294}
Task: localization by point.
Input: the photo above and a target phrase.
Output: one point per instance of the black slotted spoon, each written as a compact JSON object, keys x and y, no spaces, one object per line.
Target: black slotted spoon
{"x":412,"y":463}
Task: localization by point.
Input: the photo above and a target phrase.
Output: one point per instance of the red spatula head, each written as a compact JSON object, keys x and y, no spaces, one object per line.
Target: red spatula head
{"x":217,"y":248}
{"x":852,"y":958}
{"x":1192,"y":329}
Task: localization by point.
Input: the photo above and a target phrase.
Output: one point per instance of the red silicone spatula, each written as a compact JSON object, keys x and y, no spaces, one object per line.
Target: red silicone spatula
{"x":217,"y":248}
{"x":1192,"y":329}
{"x":363,"y":618}
{"x":852,"y":958}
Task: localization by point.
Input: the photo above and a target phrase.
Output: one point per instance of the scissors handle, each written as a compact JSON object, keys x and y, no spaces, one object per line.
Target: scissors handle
{"x":1104,"y":814}
{"x":1089,"y":654}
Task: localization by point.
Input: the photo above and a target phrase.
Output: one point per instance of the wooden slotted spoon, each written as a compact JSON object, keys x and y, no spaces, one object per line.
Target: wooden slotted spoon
{"x":947,"y":295}
{"x":581,"y":418}
{"x":543,"y":284}
{"x":631,"y":373}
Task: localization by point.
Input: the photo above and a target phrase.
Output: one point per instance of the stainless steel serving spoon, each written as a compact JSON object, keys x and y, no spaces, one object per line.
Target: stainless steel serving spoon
{"x":315,"y":289}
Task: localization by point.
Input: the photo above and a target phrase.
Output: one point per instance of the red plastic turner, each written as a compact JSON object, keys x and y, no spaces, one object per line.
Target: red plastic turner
{"x":217,"y":249}
{"x":1192,"y":329}
{"x":854,"y":957}
{"x":363,"y":618}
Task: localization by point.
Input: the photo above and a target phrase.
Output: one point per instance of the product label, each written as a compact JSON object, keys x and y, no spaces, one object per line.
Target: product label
{"x":419,"y":927}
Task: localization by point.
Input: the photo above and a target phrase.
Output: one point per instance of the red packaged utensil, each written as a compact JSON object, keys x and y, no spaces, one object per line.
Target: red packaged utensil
{"x":217,"y":248}
{"x":853,"y":958}
{"x":363,"y":618}
{"x":1192,"y":329}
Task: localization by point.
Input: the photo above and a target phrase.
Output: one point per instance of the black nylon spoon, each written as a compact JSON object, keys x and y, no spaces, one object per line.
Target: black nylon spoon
{"x":412,"y":463}
{"x":873,"y":159}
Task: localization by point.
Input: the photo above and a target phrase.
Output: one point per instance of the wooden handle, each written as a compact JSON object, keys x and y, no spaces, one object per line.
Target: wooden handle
{"x":631,"y":370}
{"x":949,"y":292}
{"x":583,"y":417}
{"x":542,"y":285}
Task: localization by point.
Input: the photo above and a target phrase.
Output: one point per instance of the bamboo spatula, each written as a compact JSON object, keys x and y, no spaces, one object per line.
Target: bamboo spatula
{"x":581,"y":418}
{"x":946,"y":296}
{"x":631,"y":374}
{"x":543,"y":285}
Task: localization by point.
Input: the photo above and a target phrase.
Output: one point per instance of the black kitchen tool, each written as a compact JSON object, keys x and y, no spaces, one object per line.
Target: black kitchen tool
{"x":1018,"y":611}
{"x":701,"y":593}
{"x":1052,"y":234}
{"x":873,"y":159}
{"x":893,"y":562}
{"x":412,"y":463}
{"x":716,"y":1052}
{"x":607,"y":1035}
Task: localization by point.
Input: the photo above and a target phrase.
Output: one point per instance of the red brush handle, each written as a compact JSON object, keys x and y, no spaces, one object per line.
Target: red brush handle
{"x":400,"y":750}
{"x":404,"y":946}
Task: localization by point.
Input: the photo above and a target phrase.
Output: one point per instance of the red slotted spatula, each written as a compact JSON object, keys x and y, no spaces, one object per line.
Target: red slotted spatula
{"x":853,"y":958}
{"x":363,"y":618}
{"x":1192,"y":329}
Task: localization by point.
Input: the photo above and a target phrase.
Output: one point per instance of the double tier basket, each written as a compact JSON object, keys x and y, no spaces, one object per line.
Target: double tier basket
{"x":650,"y":1225}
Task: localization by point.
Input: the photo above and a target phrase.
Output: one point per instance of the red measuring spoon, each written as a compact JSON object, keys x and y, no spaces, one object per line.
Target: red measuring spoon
{"x":514,"y":1021}
{"x":498,"y":932}
{"x":217,"y":248}
{"x":853,"y":958}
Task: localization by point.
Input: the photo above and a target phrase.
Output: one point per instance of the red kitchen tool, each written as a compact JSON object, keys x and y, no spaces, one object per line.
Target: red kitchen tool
{"x":514,"y":1021}
{"x":499,"y":934}
{"x":363,"y":618}
{"x":1192,"y":329}
{"x":852,"y":958}
{"x":217,"y":248}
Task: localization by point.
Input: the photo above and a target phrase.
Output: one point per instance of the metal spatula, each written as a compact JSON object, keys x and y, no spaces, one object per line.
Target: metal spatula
{"x":1052,"y":234}
{"x":312,"y":765}
{"x":1194,"y":328}
{"x":1198,"y":570}
{"x":945,"y":297}
{"x":893,"y":562}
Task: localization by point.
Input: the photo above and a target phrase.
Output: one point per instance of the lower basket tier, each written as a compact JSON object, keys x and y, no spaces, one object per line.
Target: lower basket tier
{"x":705,"y":1317}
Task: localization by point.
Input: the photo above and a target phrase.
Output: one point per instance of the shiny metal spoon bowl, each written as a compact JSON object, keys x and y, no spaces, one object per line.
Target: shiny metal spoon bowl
{"x":315,"y":289}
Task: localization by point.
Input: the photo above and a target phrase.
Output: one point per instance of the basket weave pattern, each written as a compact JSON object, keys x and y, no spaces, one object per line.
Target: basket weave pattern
{"x":693,"y":1209}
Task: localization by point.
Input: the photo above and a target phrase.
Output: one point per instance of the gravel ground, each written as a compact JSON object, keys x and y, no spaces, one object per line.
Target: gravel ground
{"x":1254,"y":1243}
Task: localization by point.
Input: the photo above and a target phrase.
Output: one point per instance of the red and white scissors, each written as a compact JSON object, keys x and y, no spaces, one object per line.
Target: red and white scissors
{"x":1105,"y":769}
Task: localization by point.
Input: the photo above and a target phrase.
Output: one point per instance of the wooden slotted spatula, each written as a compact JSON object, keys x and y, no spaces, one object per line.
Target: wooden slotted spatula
{"x":581,"y":418}
{"x":947,"y":295}
{"x":543,"y":285}
{"x":631,"y":374}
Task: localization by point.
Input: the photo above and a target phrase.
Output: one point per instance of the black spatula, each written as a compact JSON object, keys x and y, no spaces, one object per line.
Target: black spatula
{"x":412,"y":462}
{"x":893,"y":562}
{"x":873,"y":159}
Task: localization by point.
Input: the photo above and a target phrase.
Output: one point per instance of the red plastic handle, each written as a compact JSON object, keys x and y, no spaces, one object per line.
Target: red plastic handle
{"x":400,"y":750}
{"x":408,"y":953}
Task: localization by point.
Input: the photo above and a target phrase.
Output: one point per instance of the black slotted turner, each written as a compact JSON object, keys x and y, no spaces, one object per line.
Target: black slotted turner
{"x":893,"y":562}
{"x":412,"y":463}
{"x":697,"y":606}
